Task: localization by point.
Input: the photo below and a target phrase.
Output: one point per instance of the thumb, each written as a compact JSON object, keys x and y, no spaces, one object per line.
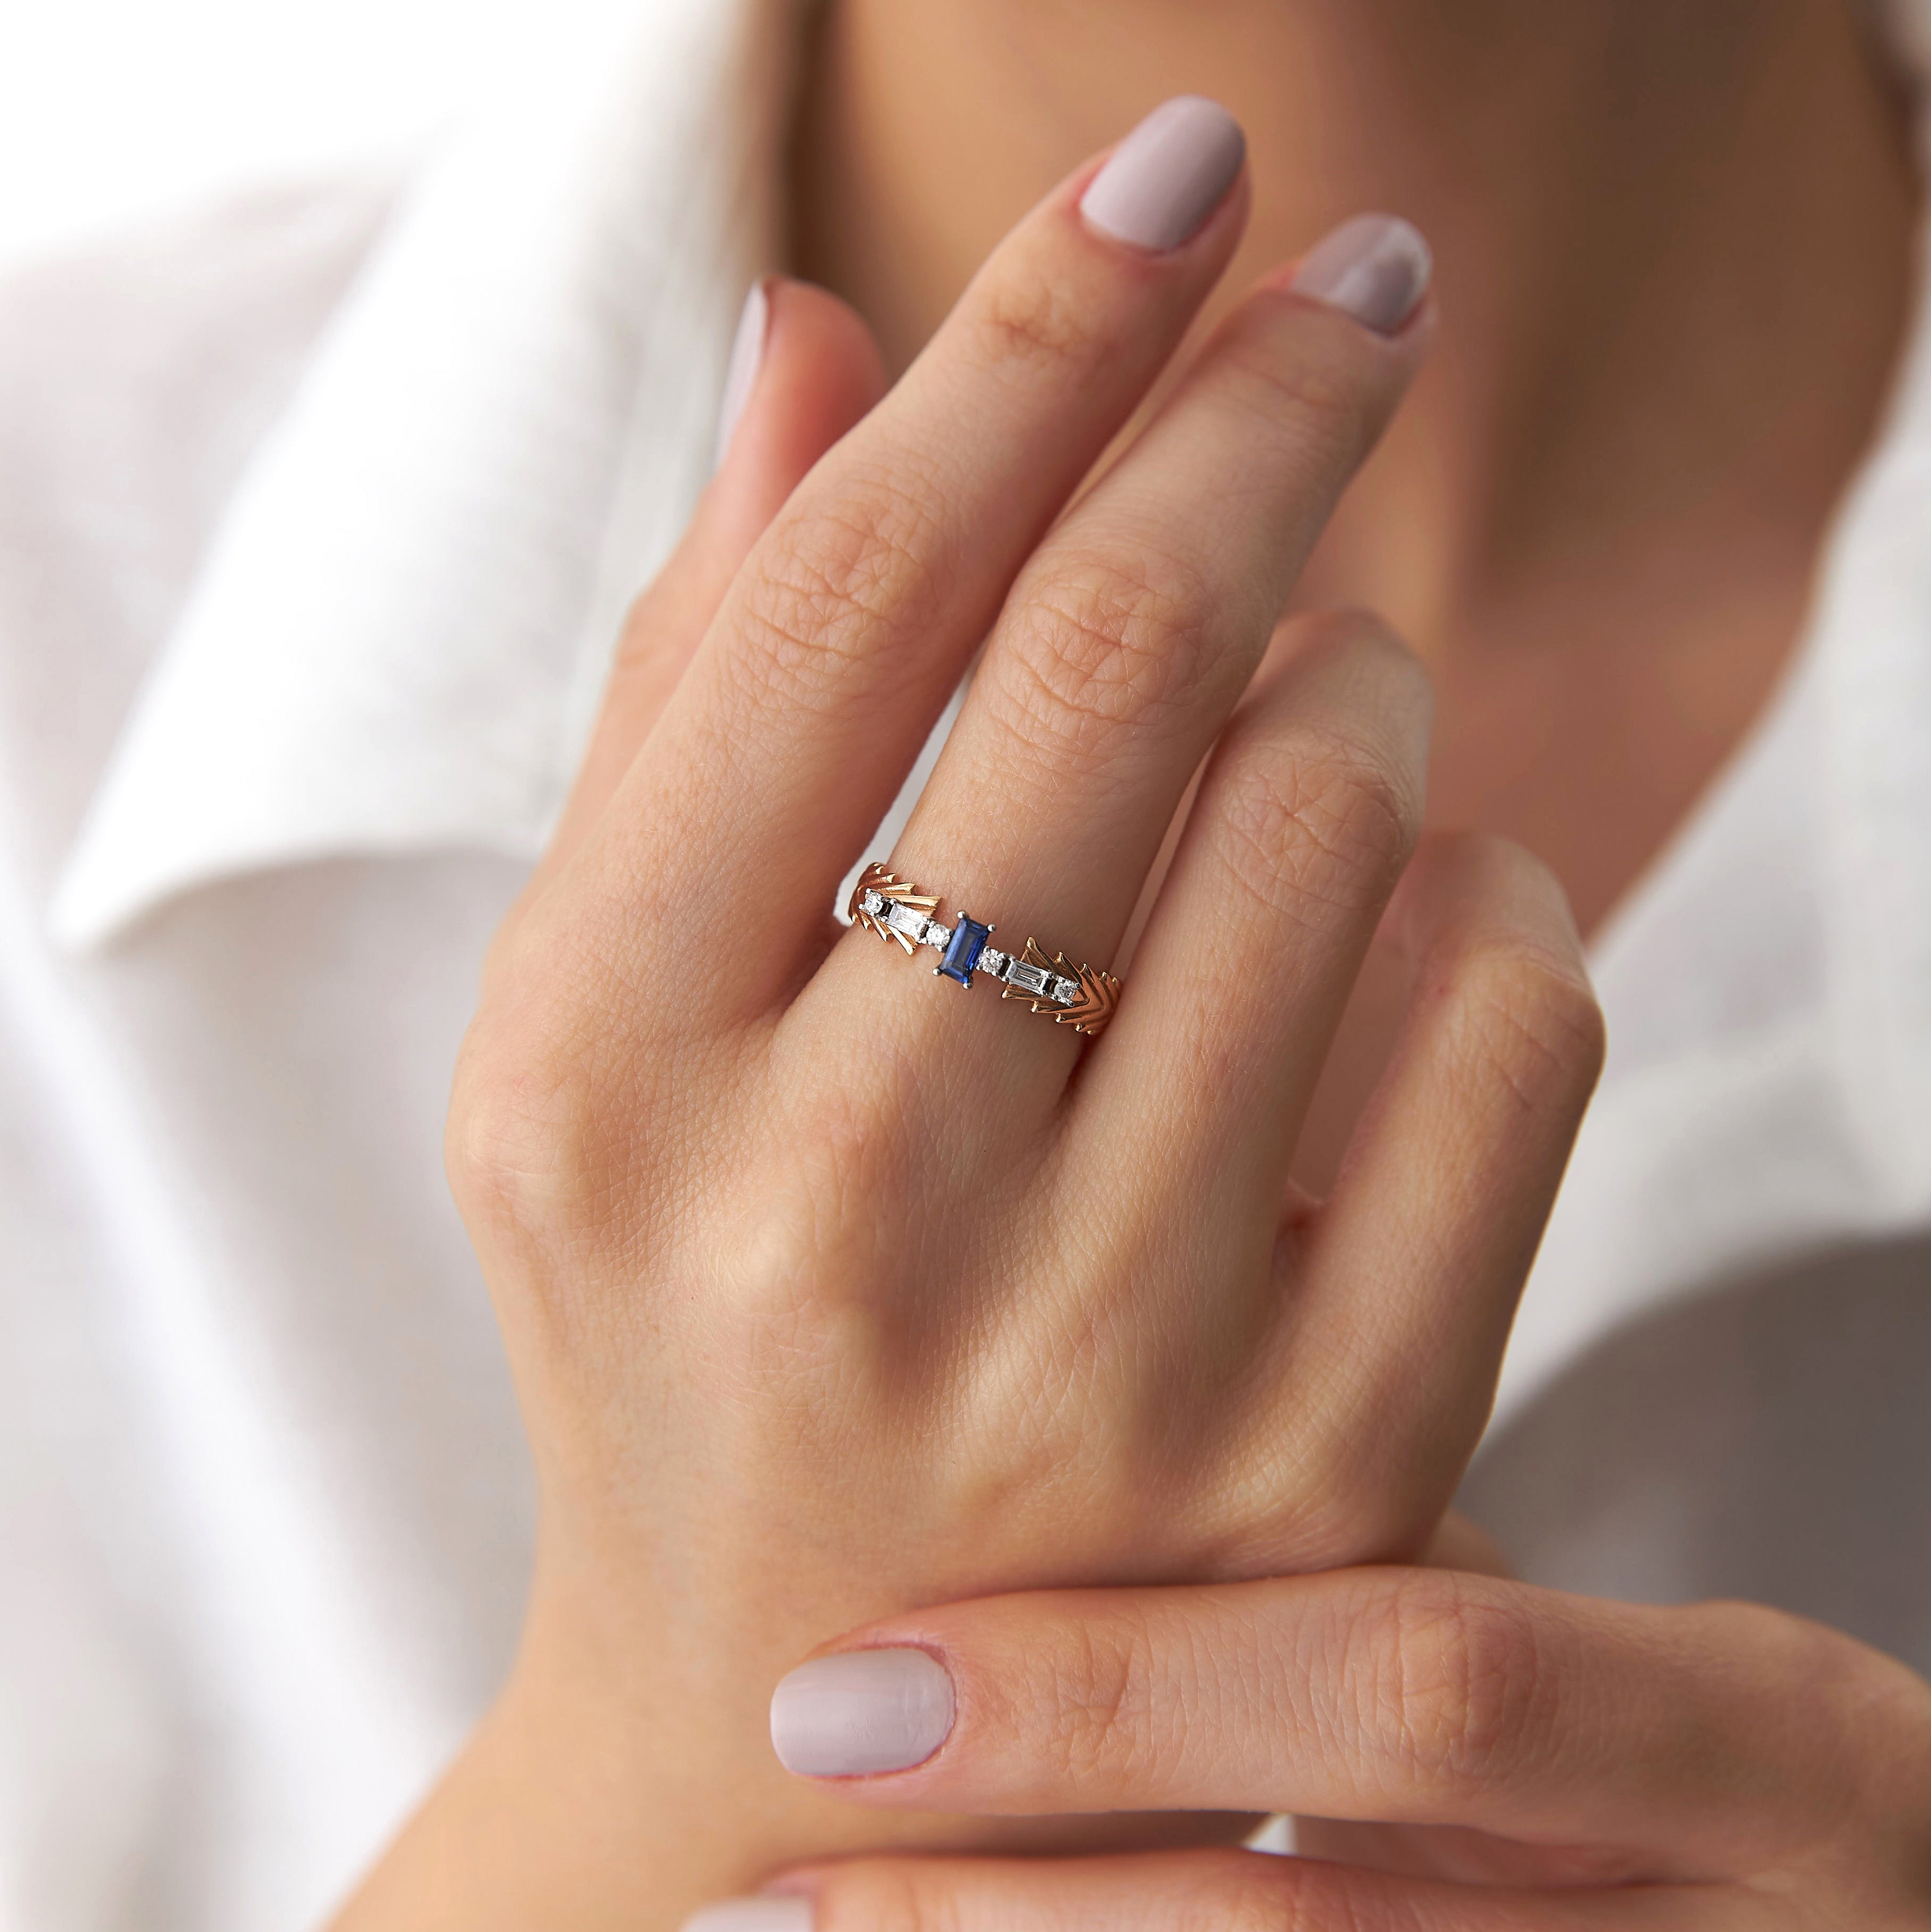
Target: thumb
{"x":813,"y":374}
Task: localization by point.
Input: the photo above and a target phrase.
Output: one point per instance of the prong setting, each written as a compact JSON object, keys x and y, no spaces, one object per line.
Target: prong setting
{"x":1080,"y":996}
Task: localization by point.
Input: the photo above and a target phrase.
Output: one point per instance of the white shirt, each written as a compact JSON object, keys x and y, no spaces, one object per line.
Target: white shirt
{"x":316,"y":517}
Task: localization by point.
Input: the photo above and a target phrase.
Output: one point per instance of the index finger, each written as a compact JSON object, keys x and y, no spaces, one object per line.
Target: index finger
{"x":1410,"y":1697}
{"x":857,"y":612}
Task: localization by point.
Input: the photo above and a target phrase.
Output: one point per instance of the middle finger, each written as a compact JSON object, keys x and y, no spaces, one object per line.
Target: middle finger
{"x":1133,"y":630}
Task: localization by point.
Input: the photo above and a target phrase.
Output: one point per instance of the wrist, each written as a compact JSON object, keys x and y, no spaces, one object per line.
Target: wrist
{"x":625,"y":1778}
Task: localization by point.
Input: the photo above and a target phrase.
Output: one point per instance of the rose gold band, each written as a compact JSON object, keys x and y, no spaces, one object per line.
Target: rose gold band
{"x":1080,"y":996}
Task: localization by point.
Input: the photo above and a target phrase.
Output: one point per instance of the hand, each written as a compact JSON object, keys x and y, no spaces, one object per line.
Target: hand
{"x":830,"y":1290}
{"x":1475,"y":1755}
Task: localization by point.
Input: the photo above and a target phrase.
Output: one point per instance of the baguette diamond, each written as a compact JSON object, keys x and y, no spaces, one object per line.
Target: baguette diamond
{"x":890,"y":908}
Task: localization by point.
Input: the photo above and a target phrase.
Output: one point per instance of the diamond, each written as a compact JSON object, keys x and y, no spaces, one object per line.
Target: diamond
{"x":1027,"y":979}
{"x":908,"y":919}
{"x":962,"y":950}
{"x":1065,"y":992}
{"x":872,"y":903}
{"x":937,"y":934}
{"x":994,"y":961}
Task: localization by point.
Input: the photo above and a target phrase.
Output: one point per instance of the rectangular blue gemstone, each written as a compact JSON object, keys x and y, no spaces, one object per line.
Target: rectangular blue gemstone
{"x":968,"y":941}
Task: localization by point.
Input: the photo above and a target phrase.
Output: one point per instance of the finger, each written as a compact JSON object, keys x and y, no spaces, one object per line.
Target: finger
{"x":1408,"y":1280}
{"x":1460,"y":1543}
{"x":1412,"y":1697}
{"x":1173,"y":1891}
{"x":839,"y":644}
{"x":1130,"y":636}
{"x":817,"y":372}
{"x":1305,"y":817}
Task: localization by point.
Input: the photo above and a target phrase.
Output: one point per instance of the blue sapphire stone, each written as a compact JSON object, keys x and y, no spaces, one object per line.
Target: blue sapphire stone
{"x":962,"y":951}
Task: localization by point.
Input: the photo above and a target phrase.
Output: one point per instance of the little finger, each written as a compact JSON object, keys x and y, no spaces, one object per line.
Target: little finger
{"x":805,"y":369}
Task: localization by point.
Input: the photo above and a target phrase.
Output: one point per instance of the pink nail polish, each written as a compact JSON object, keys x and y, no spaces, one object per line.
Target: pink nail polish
{"x":861,"y":1711}
{"x":1375,"y":268}
{"x":747,"y":358}
{"x":1161,"y":184}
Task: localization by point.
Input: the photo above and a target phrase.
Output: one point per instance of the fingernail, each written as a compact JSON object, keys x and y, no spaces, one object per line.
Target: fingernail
{"x":861,"y":1710}
{"x":741,"y":372}
{"x":754,"y":1915}
{"x":1168,"y":175}
{"x":1375,"y":268}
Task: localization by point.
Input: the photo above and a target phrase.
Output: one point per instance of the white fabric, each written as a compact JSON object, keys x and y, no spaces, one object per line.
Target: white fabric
{"x":504,"y":426}
{"x":1768,"y":985}
{"x":315,"y":521}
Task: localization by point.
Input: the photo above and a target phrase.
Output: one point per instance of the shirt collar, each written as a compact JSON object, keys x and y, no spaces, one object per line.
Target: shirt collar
{"x":397,"y":638}
{"x":1871,"y":649}
{"x":1768,"y":985}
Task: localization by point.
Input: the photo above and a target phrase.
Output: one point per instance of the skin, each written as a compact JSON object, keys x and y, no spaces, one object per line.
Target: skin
{"x":825,"y":1293}
{"x":1472,"y":1755}
{"x":1674,"y":260}
{"x":828,"y":1299}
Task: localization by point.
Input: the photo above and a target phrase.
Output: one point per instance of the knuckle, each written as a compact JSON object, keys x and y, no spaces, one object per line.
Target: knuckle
{"x":1531,"y":1021}
{"x":1116,"y":638}
{"x":1030,"y":320}
{"x":1092,"y":1685}
{"x":546,"y":1119}
{"x":1451,"y":1673}
{"x":814,"y":605}
{"x":806,"y":1233}
{"x":514,"y":1147}
{"x":1319,"y":392}
{"x":1315,"y":819}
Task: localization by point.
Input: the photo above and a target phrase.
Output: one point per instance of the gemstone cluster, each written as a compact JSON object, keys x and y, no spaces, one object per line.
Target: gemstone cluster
{"x":963,"y":951}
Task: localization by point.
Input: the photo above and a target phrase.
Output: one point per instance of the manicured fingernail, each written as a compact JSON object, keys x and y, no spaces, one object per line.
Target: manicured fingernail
{"x":754,"y":1915}
{"x":1168,"y":175}
{"x":741,"y":372}
{"x":859,"y":1711}
{"x":1375,"y":268}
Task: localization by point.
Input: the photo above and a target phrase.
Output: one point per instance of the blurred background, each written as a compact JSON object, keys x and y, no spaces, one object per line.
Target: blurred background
{"x":113,"y":111}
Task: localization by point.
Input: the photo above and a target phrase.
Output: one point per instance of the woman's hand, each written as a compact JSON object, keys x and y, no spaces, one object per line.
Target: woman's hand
{"x":830,"y":1290}
{"x":1470,"y":1755}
